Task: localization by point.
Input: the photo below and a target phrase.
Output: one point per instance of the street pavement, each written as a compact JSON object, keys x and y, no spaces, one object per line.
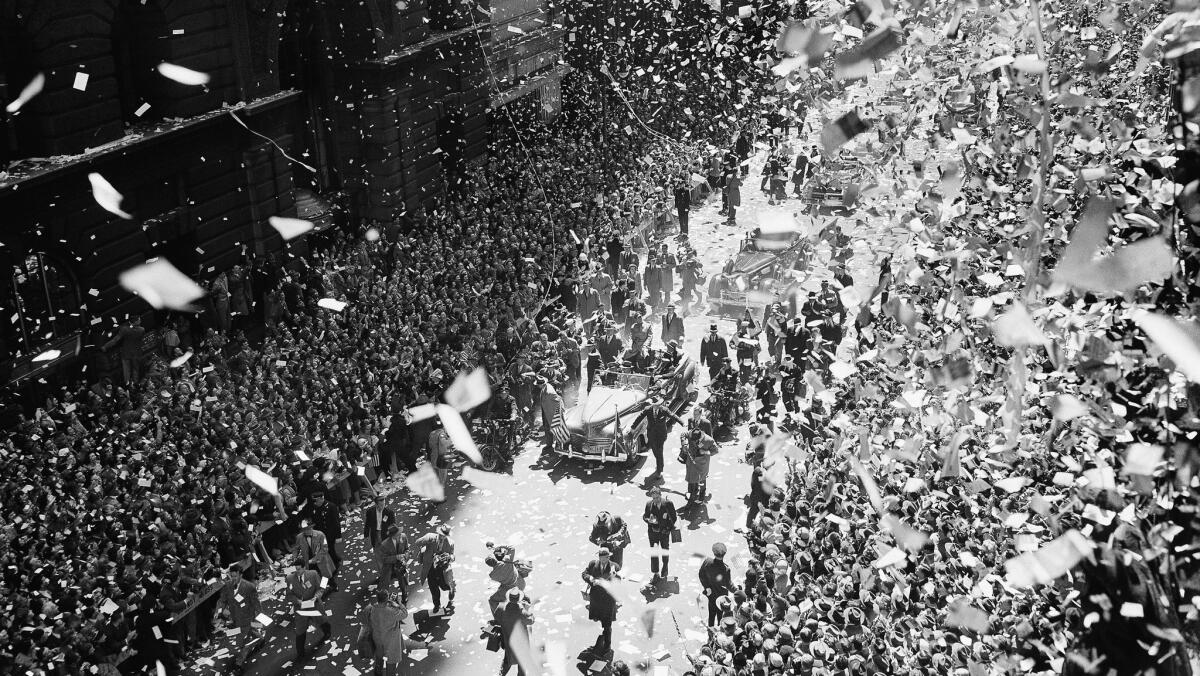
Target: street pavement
{"x":545,"y":508}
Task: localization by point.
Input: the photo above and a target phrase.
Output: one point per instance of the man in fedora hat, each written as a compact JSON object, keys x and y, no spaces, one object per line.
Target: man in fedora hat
{"x":658,"y":425}
{"x":713,"y":351}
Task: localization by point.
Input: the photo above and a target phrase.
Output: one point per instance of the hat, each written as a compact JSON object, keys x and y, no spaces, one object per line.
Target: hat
{"x":514,"y":594}
{"x":604,"y":551}
{"x":712,"y":327}
{"x":719,"y":549}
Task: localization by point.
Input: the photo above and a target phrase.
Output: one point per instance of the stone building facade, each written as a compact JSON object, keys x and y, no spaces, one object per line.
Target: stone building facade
{"x":338,"y":112}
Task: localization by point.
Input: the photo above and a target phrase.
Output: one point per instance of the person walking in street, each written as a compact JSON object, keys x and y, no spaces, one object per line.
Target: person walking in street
{"x":327,"y":519}
{"x":691,"y":275}
{"x":304,"y":596}
{"x":667,"y":262}
{"x":658,"y":425}
{"x":240,"y":605}
{"x":683,"y":199}
{"x":602,"y":604}
{"x":508,"y":571}
{"x":713,"y":352}
{"x":383,"y":624}
{"x":652,"y":280}
{"x":700,"y":447}
{"x":672,"y":326}
{"x":610,"y":531}
{"x":435,"y":555}
{"x":312,"y":551}
{"x":391,"y":556}
{"x":377,"y":521}
{"x":716,"y":579}
{"x":660,"y":518}
{"x":733,"y":196}
{"x":514,"y":620}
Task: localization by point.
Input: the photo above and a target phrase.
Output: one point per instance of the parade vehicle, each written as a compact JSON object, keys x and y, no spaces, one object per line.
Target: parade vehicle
{"x":608,"y":424}
{"x":497,"y":440}
{"x":835,"y":184}
{"x":758,"y":275}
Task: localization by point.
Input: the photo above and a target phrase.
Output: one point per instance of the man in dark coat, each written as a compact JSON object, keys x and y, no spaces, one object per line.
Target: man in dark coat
{"x":129,"y":337}
{"x":683,"y":200}
{"x":672,"y":326}
{"x":602,"y":605}
{"x":658,"y":426}
{"x":660,"y":518}
{"x":377,"y":521}
{"x":609,"y":345}
{"x":716,"y":578}
{"x":326,"y":518}
{"x":611,"y":531}
{"x":514,"y":618}
{"x":713,"y":351}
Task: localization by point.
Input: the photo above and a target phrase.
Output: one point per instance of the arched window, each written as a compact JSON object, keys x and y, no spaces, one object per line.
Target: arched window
{"x":41,"y":305}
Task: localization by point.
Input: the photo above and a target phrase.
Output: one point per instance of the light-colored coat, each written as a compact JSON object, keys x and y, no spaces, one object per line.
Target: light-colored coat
{"x":384,"y":622}
{"x":317,"y":553}
{"x":698,"y":455}
{"x":428,"y":547}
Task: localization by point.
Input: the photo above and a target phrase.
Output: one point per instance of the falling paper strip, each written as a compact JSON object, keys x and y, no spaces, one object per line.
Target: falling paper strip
{"x":965,"y":616}
{"x":421,"y":412}
{"x":1016,"y":328}
{"x":909,"y":538}
{"x":289,"y":228}
{"x":182,"y":75}
{"x":31,"y":90}
{"x":459,"y":435}
{"x":424,"y":483}
{"x":161,"y":285}
{"x":1048,"y":563}
{"x":263,"y":480}
{"x":106,"y":195}
{"x":48,"y":355}
{"x":841,"y":130}
{"x":1142,"y":459}
{"x":894,"y":557}
{"x":81,"y":81}
{"x":469,"y":389}
{"x":1179,"y":339}
{"x":331,"y":304}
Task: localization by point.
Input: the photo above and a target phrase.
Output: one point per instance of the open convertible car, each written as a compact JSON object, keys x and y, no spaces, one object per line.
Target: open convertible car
{"x":608,"y":424}
{"x":757,"y":275}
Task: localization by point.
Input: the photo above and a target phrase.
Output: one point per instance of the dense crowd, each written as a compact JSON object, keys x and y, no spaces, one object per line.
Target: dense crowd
{"x":951,"y":490}
{"x":123,"y":498}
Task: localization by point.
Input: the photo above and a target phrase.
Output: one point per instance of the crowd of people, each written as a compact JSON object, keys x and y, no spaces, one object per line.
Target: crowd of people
{"x":125,"y":497}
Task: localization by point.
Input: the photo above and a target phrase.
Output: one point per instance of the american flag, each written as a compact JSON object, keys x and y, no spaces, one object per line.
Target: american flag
{"x":559,"y":427}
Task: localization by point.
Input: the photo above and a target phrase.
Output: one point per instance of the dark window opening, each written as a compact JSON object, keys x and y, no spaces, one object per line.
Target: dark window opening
{"x":20,"y":136}
{"x":302,"y":68}
{"x":139,"y":38}
{"x":41,"y":304}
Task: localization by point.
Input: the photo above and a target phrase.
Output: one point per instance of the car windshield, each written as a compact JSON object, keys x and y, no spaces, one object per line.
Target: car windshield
{"x":625,"y":377}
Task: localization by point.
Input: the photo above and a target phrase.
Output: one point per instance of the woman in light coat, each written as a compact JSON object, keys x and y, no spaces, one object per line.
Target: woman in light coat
{"x":383,"y":621}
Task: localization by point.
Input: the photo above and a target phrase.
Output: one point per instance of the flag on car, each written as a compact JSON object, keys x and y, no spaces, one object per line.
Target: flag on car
{"x":559,"y":427}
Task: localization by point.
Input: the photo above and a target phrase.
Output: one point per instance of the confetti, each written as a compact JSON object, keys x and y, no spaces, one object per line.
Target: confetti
{"x":184,"y":76}
{"x":161,"y":285}
{"x":106,"y":195}
{"x":32,"y":89}
{"x":291,"y":228}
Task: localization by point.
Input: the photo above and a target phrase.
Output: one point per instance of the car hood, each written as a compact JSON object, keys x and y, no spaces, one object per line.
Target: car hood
{"x":752,"y":261}
{"x":601,"y":405}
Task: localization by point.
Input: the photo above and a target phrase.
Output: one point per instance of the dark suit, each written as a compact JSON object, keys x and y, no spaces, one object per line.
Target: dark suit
{"x":672,"y":328}
{"x":660,"y":521}
{"x":376,"y":525}
{"x":509,"y":616}
{"x":715,"y":577}
{"x":129,"y":337}
{"x":713,"y":351}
